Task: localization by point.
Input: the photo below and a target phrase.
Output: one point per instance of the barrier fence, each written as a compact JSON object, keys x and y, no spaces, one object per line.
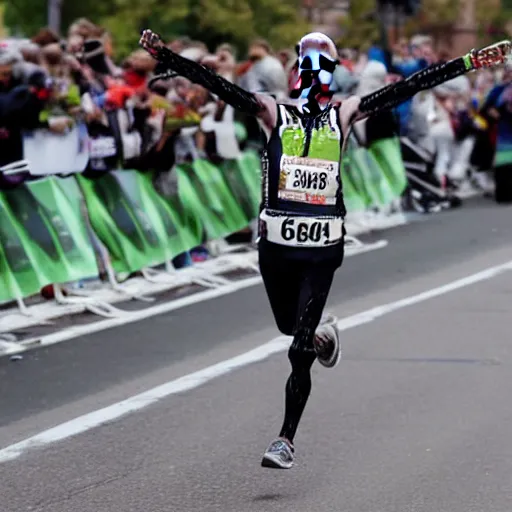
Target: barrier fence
{"x":58,"y":230}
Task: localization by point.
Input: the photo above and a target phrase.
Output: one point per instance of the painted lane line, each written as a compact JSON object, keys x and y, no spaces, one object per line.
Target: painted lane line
{"x":138,"y":402}
{"x":137,"y":316}
{"x":10,"y":348}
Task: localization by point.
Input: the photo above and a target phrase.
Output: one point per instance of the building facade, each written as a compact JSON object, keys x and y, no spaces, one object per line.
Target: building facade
{"x":324,"y":16}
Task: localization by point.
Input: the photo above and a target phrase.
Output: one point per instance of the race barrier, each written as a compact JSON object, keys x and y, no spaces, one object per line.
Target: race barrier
{"x":63,"y":230}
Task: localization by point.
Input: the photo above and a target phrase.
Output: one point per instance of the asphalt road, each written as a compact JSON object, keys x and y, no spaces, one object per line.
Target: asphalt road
{"x":417,"y":418}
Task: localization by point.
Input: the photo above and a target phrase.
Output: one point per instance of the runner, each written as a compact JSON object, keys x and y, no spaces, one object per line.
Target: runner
{"x":301,"y":229}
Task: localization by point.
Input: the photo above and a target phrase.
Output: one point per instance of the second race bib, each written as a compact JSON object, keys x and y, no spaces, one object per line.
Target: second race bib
{"x":308,"y":180}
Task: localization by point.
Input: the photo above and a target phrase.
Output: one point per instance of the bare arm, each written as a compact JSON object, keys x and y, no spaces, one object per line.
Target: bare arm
{"x":349,"y":113}
{"x":268,"y":116}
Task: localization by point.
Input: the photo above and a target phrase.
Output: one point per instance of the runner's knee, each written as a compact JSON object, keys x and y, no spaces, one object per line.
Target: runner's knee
{"x":301,"y":357}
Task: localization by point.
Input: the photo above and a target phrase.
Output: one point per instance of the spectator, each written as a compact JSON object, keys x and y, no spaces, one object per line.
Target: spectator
{"x":266,"y":73}
{"x":31,"y":53}
{"x":497,"y":110}
{"x":21,"y":102}
{"x":402,"y":52}
{"x":384,"y":124}
{"x":180,"y":44}
{"x":195,"y":51}
{"x":153,"y":127}
{"x":345,"y":81}
{"x":45,"y":37}
{"x":226,"y":62}
{"x":421,"y":56}
{"x":85,"y":29}
{"x":485,"y":128}
{"x":454,"y":142}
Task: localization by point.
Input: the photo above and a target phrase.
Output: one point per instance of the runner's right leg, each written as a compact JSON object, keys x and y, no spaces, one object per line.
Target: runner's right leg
{"x":297,"y":291}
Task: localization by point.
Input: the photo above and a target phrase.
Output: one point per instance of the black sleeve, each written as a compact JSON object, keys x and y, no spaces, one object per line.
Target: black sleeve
{"x":228,"y":92}
{"x":393,"y":95}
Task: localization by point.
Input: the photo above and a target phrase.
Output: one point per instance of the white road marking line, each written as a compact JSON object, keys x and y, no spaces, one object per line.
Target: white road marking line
{"x":136,"y":403}
{"x":10,"y":347}
{"x":136,"y":316}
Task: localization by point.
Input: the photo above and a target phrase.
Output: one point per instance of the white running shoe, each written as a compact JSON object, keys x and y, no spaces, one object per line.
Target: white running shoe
{"x":279,"y":455}
{"x":327,"y":342}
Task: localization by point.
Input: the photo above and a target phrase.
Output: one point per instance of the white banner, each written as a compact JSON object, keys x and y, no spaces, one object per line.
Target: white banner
{"x":48,"y":153}
{"x":225,"y":134}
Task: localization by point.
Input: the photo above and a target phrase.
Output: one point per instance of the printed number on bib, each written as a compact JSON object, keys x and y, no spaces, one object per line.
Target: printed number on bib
{"x":308,"y":180}
{"x":305,"y":232}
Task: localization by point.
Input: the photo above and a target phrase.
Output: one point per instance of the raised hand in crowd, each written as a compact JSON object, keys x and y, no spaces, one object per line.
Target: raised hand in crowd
{"x":60,"y":124}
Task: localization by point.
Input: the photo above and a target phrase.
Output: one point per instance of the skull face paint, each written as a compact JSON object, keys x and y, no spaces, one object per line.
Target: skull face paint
{"x":317,"y":61}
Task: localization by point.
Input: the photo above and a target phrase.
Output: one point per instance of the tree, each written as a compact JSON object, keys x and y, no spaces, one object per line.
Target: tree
{"x":26,"y":17}
{"x":129,"y":17}
{"x":361,"y":26}
{"x":210,"y":21}
{"x":240,"y":21}
{"x":434,"y":16}
{"x":492,"y":21}
{"x":407,"y":7}
{"x":3,"y":31}
{"x":440,"y":17}
{"x":18,"y":22}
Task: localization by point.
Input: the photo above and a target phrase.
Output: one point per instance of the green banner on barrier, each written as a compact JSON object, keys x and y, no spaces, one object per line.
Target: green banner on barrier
{"x":388,"y":154}
{"x":44,"y":235}
{"x":195,"y":206}
{"x":221,"y":200}
{"x":165,"y":220}
{"x":240,"y":180}
{"x":372,"y":179}
{"x":250,"y":166}
{"x":372,"y":182}
{"x":503,"y":155}
{"x":354,"y":202}
{"x":18,"y":264}
{"x":132,"y":220}
{"x":209,"y":195}
{"x":61,"y":199}
{"x":44,"y":238}
{"x":355,"y":194}
{"x":176,"y":190}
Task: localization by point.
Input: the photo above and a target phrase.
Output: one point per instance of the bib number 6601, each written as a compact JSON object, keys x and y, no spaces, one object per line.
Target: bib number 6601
{"x":304,"y":232}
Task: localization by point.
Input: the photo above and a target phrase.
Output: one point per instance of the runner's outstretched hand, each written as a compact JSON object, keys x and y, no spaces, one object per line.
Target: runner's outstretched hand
{"x":151,"y":42}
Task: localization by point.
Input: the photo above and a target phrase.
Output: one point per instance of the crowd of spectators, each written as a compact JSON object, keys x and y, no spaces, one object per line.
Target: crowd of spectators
{"x":51,"y":83}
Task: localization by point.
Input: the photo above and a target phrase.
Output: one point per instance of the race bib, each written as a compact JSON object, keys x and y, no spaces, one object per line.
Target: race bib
{"x":302,"y":231}
{"x":307,"y":180}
